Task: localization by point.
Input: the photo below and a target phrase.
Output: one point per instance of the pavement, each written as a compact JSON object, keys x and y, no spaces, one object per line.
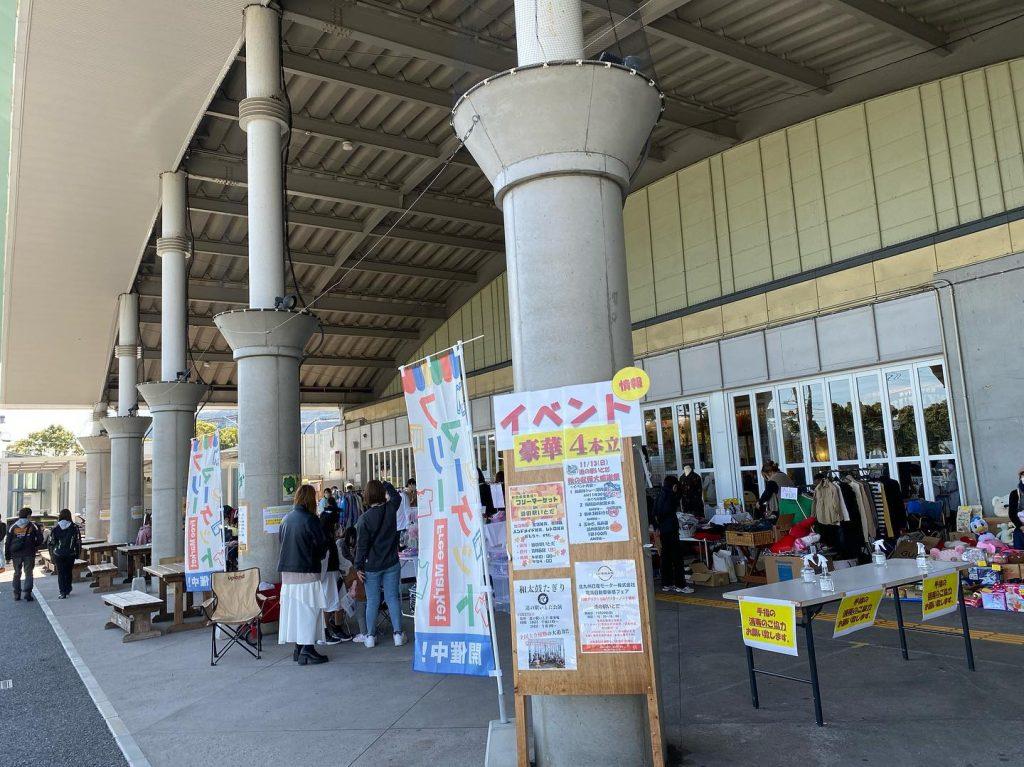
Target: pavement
{"x":368,"y":708}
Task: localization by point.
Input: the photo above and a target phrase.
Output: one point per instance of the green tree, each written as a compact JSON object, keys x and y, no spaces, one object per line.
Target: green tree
{"x":53,"y":440}
{"x":228,"y":434}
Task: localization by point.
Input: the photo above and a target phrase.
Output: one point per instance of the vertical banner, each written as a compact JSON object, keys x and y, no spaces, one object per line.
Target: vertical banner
{"x":453,"y":633}
{"x":204,"y":515}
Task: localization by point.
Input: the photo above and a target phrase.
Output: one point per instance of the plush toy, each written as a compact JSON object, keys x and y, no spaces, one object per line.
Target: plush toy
{"x":1005,"y":533}
{"x":802,"y":529}
{"x":991,"y":544}
{"x":1000,"y":505}
{"x":978,"y":526}
{"x":949,"y":555}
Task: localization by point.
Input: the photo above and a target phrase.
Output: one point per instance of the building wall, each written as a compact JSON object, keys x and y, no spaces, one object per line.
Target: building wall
{"x":8,"y":27}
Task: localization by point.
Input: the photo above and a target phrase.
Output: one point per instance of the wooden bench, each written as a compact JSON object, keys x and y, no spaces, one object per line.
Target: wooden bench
{"x":103,"y":577}
{"x":132,"y":612}
{"x":77,"y":569}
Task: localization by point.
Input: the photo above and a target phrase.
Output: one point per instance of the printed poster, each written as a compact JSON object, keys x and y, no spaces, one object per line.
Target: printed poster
{"x":769,"y":624}
{"x":453,"y":632}
{"x":273,"y":516}
{"x":940,"y":595}
{"x":537,"y":522}
{"x":243,"y":528}
{"x":595,"y":502}
{"x":608,"y":604}
{"x":545,"y":634}
{"x":204,"y":515}
{"x":857,"y":611}
{"x":289,"y":484}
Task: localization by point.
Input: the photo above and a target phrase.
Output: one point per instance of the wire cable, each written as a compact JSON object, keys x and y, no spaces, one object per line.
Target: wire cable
{"x":285,"y":149}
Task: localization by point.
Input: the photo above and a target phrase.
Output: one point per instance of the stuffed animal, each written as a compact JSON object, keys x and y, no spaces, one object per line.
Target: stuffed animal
{"x":802,"y":529}
{"x":978,"y":526}
{"x":990,"y":543}
{"x":949,"y":555}
{"x":1005,"y":533}
{"x":1000,"y":505}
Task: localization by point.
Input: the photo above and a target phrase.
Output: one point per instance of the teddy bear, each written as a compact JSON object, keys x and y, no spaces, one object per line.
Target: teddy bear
{"x":1005,"y":533}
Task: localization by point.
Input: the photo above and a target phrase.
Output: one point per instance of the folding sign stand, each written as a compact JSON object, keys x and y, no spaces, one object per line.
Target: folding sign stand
{"x":597,"y":673}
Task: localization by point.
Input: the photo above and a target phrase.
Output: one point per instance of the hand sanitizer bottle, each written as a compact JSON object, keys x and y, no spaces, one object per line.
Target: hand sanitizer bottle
{"x":807,"y":572}
{"x":825,"y":582}
{"x":922,"y":557}
{"x":878,"y":556}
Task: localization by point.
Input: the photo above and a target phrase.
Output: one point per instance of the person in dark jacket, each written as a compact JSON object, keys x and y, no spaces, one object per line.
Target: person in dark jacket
{"x":331,"y":572}
{"x":691,"y":489}
{"x":673,"y":576}
{"x":774,"y":480}
{"x":303,"y":548}
{"x":376,"y":561}
{"x":1015,"y":506}
{"x":486,"y":499}
{"x":65,"y":547}
{"x":24,"y":539}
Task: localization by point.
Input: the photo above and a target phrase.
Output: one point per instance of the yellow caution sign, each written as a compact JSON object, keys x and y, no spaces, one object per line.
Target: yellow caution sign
{"x":857,"y":611}
{"x":631,"y":383}
{"x":940,"y":595}
{"x":769,"y":624}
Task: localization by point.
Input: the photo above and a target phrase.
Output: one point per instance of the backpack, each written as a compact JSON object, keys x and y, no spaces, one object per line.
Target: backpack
{"x":21,"y":538}
{"x":64,"y":544}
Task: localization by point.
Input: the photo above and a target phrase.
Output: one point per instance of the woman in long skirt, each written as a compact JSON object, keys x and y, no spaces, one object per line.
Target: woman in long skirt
{"x":303,"y":547}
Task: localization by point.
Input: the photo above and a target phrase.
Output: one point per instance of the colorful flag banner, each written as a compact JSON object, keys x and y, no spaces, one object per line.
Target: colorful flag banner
{"x":453,"y":631}
{"x":204,"y":515}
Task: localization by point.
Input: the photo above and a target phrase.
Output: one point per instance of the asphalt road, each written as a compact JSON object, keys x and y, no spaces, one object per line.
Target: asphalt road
{"x":47,"y":716}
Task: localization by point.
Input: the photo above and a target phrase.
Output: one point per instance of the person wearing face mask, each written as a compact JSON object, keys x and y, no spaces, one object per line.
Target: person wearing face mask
{"x":692,"y":492}
{"x":1016,"y":510}
{"x":65,"y":547}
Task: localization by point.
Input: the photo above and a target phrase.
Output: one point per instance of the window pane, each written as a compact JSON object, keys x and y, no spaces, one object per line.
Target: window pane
{"x":789,"y":424}
{"x":651,"y":432}
{"x":817,"y":425}
{"x":748,"y":480}
{"x":797,"y":474}
{"x":710,"y":492}
{"x":945,"y":484}
{"x":842,"y":419}
{"x":704,"y":454}
{"x":936,"y":410}
{"x":872,"y":424}
{"x":744,"y":431}
{"x":685,"y":435}
{"x":901,"y":408}
{"x":668,"y":440}
{"x":768,"y":424}
{"x":911,"y":479}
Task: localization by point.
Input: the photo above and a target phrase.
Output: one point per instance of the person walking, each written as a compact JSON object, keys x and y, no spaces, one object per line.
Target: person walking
{"x":65,"y":547}
{"x":303,"y":548}
{"x":24,"y":539}
{"x":377,"y":564}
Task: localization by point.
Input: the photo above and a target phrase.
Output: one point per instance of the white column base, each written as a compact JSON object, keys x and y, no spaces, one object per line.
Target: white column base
{"x":173,"y":405}
{"x":126,"y":434}
{"x":97,"y":477}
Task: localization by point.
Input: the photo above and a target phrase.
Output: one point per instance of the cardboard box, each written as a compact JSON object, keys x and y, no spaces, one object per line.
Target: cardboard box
{"x":1011,"y":572}
{"x":778,"y":569}
{"x":702,"y":576}
{"x":908,"y":549}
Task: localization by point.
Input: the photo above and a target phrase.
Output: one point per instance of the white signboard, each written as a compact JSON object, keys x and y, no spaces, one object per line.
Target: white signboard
{"x":537,"y":524}
{"x":545,"y":635}
{"x":608,"y":603}
{"x":595,"y":503}
{"x":243,"y":528}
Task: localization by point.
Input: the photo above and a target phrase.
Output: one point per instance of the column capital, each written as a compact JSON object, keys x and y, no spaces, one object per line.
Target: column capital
{"x":121,"y":426}
{"x":182,"y":396}
{"x":266,"y":332}
{"x":265,"y":108}
{"x":173,"y":244}
{"x":97,"y":443}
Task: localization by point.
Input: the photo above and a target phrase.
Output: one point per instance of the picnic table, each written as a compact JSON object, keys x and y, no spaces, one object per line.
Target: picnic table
{"x":76,"y":569}
{"x":90,"y":541}
{"x":97,"y":553}
{"x":136,"y":558}
{"x":103,"y":575}
{"x":132,"y":612}
{"x":173,"y":576}
{"x":809,"y":599}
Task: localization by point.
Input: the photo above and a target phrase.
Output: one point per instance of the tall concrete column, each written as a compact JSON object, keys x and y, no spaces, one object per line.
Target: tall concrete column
{"x":96,"y":445}
{"x":172,"y":400}
{"x":560,"y":138}
{"x":126,"y":429}
{"x":73,"y":486}
{"x":267,"y":342}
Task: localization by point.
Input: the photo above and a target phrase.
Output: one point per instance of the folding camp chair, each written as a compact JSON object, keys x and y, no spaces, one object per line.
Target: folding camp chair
{"x":236,"y":608}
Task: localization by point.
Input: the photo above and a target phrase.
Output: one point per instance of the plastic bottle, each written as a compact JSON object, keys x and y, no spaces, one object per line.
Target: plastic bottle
{"x":807,"y":572}
{"x":825,"y":582}
{"x":922,"y":557}
{"x":878,"y":556}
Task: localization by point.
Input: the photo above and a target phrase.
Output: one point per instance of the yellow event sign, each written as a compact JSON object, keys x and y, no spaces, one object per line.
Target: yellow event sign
{"x":857,"y":611}
{"x":551,"y":448}
{"x":631,"y":383}
{"x":940,"y":595}
{"x":769,"y":624}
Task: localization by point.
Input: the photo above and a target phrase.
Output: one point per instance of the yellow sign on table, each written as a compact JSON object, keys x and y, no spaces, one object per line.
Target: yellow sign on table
{"x":940,"y":595}
{"x":857,"y":611}
{"x":769,"y":624}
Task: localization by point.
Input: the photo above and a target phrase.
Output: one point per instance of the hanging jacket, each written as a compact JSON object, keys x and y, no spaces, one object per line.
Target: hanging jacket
{"x":692,"y":492}
{"x":827,"y":504}
{"x":865,"y":507}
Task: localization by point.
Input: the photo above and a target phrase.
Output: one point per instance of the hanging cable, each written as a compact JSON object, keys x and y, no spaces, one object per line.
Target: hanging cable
{"x":285,"y":149}
{"x":190,"y":256}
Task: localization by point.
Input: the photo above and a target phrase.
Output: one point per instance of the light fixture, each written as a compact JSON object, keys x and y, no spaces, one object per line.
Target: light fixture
{"x":347,"y":145}
{"x":288,"y":303}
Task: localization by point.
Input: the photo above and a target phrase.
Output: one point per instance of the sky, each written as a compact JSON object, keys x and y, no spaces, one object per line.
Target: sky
{"x":19,"y":422}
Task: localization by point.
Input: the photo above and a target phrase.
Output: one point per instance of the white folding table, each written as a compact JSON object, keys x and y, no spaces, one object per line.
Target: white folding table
{"x":810,"y":599}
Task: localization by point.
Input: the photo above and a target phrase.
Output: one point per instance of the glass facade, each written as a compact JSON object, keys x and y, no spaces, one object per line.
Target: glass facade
{"x":679,"y":435}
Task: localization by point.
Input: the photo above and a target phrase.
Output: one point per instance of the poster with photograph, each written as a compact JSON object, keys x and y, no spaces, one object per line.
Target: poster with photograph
{"x":595,"y":504}
{"x":537,"y":521}
{"x":608,"y":603}
{"x":545,"y":635}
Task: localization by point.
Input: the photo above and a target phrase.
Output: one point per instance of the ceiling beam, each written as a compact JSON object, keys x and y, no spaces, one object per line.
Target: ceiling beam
{"x":613,"y":31}
{"x":331,"y":362}
{"x":232,"y":171}
{"x":319,"y":14}
{"x":894,"y":21}
{"x":334,"y":223}
{"x":710,"y":42}
{"x":336,"y":131}
{"x":236,"y":250}
{"x":354,"y":331}
{"x":238,"y":294}
{"x":308,"y":395}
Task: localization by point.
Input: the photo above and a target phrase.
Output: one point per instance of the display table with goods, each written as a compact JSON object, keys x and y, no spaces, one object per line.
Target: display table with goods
{"x":768,"y":614}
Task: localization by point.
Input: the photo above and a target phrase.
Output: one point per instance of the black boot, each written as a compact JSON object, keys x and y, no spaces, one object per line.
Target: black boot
{"x":295,"y":652}
{"x":29,"y":598}
{"x":308,"y":654}
{"x":17,"y":596}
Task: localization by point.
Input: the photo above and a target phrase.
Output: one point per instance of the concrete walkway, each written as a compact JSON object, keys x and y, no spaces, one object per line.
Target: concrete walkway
{"x":367,"y":707}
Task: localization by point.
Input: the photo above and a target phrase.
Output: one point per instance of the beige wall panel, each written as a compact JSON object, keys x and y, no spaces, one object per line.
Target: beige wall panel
{"x":639,"y":269}
{"x":748,"y":224}
{"x":490,"y":320}
{"x":808,"y":195}
{"x":939,"y":164}
{"x":778,"y":194}
{"x":1017,"y":236}
{"x":961,"y":149}
{"x":792,"y":301}
{"x":666,"y":245}
{"x":639,"y":342}
{"x":905,"y":270}
{"x":1007,"y":133}
{"x":702,"y":324}
{"x":665,"y":335}
{"x":979,"y":120}
{"x":971,"y":248}
{"x":847,"y":286}
{"x":700,"y":239}
{"x":744,"y":314}
{"x":721,"y":207}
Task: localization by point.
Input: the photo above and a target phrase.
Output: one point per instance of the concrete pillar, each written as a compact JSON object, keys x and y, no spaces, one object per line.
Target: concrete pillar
{"x":267,"y":342}
{"x":173,"y":400}
{"x":5,"y":485}
{"x":126,"y":429}
{"x":72,"y":486}
{"x":560,"y":177}
{"x":96,"y":445}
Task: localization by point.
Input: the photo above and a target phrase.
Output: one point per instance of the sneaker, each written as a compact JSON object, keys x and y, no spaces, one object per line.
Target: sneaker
{"x":667,"y":588}
{"x":399,"y":639}
{"x":359,"y":639}
{"x":370,"y":641}
{"x":685,"y":590}
{"x":330,"y":638}
{"x":29,"y":598}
